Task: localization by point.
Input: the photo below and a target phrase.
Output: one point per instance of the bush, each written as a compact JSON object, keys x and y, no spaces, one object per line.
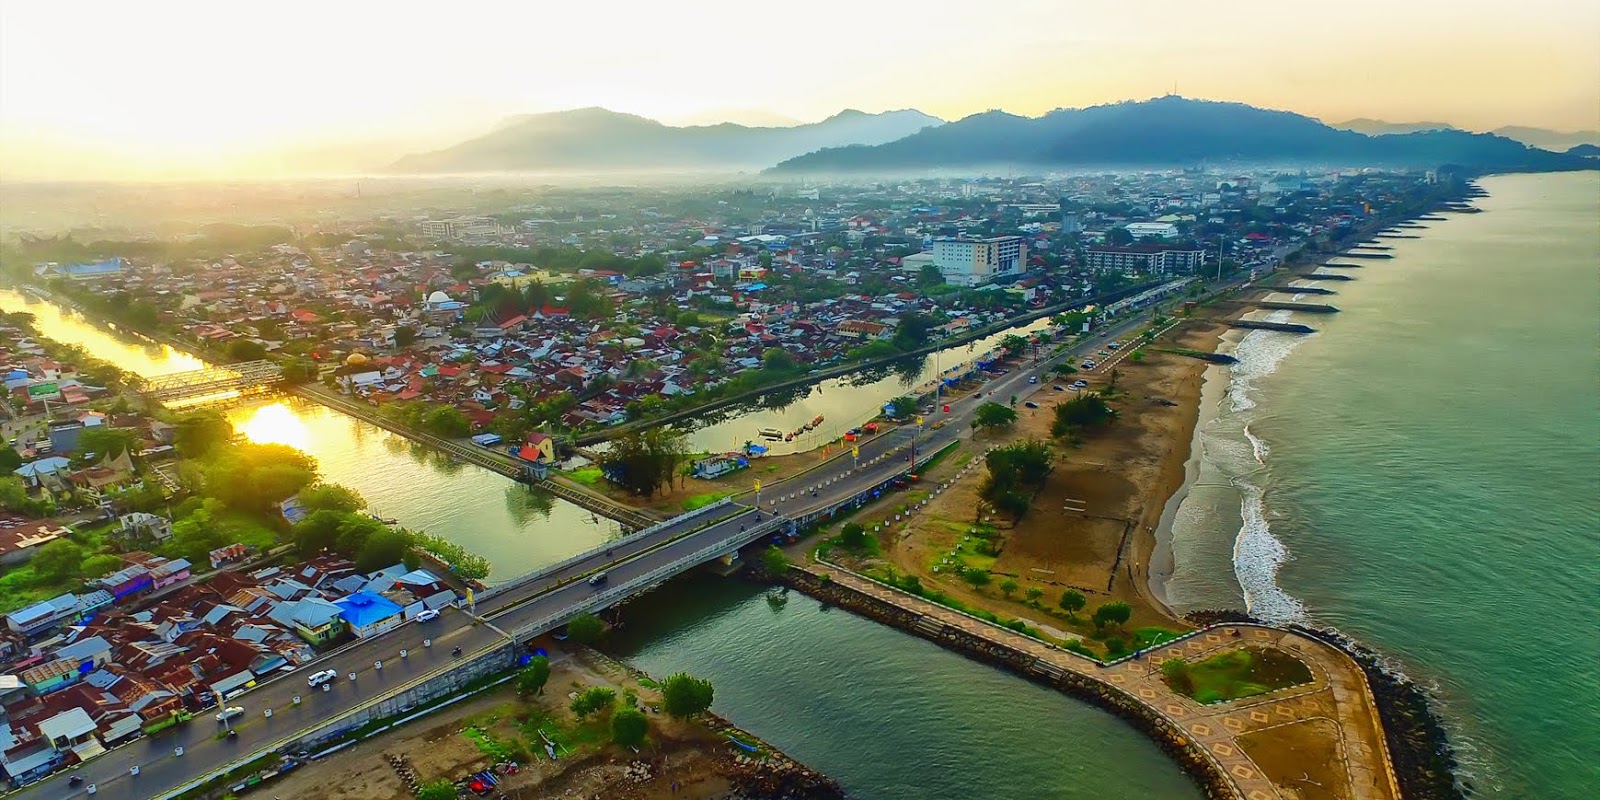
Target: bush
{"x":1176,"y":673}
{"x":437,"y":790}
{"x":592,"y":699}
{"x":532,"y":678}
{"x":975,"y":576}
{"x":853,"y":535}
{"x":1115,"y":612}
{"x":1116,"y":647}
{"x":774,"y":561}
{"x":1009,"y":587}
{"x":629,"y":726}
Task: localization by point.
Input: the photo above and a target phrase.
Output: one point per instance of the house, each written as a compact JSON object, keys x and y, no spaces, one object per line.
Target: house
{"x":720,"y":464}
{"x":139,"y":527}
{"x":38,"y":472}
{"x":18,"y":543}
{"x":47,"y":614}
{"x":369,"y":614}
{"x":70,"y":665}
{"x":311,"y":618}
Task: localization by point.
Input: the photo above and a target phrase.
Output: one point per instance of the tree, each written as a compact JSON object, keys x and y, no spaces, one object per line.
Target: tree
{"x":777,"y":359}
{"x":532,"y":678}
{"x":1033,"y":594}
{"x":585,"y":628}
{"x":929,"y":276}
{"x":197,"y":433}
{"x":1136,"y":356}
{"x":383,"y":548}
{"x":644,"y":461}
{"x":592,"y":699}
{"x":58,"y":560}
{"x":1080,"y":412}
{"x":404,"y":336}
{"x":1009,"y":587}
{"x":1120,"y":237}
{"x":1176,"y":672}
{"x":629,"y":726}
{"x":684,"y":695}
{"x":13,"y":493}
{"x":1115,"y":612}
{"x":1072,"y":601}
{"x":97,"y":565}
{"x":1015,"y":472}
{"x":902,"y":407}
{"x":9,"y":459}
{"x":977,"y":577}
{"x":1013,"y":344}
{"x":245,"y":350}
{"x":994,"y":415}
{"x":774,"y":561}
{"x":913,"y":331}
{"x":446,"y":421}
{"x":330,"y":497}
{"x":441,"y":789}
{"x":105,"y":441}
{"x":853,"y":535}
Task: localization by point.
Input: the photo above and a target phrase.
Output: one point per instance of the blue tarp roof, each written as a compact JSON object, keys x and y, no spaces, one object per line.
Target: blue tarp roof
{"x":364,"y":608}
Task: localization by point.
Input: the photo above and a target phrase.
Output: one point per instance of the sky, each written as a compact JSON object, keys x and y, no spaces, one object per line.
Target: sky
{"x":204,"y":83}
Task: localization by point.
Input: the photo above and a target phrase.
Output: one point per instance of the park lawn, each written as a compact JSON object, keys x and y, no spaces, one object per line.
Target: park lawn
{"x":968,"y":550}
{"x":700,"y":501}
{"x":569,"y":738}
{"x":588,"y":476}
{"x":1240,"y":673}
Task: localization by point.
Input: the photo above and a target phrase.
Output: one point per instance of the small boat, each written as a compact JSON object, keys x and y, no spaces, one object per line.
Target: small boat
{"x":771,"y":433}
{"x":385,"y":520}
{"x":788,"y":437}
{"x":817,"y":421}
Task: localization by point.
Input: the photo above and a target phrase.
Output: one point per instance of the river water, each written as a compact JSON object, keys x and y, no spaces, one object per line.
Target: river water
{"x":1424,"y":474}
{"x":889,"y":715}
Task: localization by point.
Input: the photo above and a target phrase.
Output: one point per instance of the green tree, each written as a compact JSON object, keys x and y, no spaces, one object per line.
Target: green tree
{"x":1072,"y":601}
{"x":1136,"y":356}
{"x":994,"y":415}
{"x":1085,"y":410}
{"x":977,"y":577}
{"x":684,"y":695}
{"x":853,"y":535}
{"x":629,"y":726}
{"x":777,"y":359}
{"x":902,"y":407}
{"x":1115,"y":612}
{"x":1015,"y":472}
{"x":107,"y":442}
{"x":330,"y":497}
{"x":9,"y":459}
{"x":1033,"y":594}
{"x":593,"y":699}
{"x":383,"y":548}
{"x":13,"y":493}
{"x":585,"y":628}
{"x":97,"y":565}
{"x":1176,"y":672}
{"x":196,"y":434}
{"x":774,"y":561}
{"x":58,"y":560}
{"x":1014,"y":345}
{"x":245,"y":350}
{"x":1121,"y":237}
{"x":929,"y":276}
{"x":532,"y":678}
{"x":441,"y":789}
{"x":644,"y":461}
{"x":1009,"y":587}
{"x":446,"y":421}
{"x":404,"y":336}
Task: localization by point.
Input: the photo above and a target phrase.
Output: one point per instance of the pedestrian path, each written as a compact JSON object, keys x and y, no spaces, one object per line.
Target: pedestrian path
{"x":1336,"y":705}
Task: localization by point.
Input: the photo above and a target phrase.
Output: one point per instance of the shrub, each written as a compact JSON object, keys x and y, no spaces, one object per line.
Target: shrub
{"x":592,"y":699}
{"x":532,"y":678}
{"x":774,"y":561}
{"x":684,"y":695}
{"x":629,"y":726}
{"x":1115,"y":611}
{"x":585,"y":628}
{"x":853,"y":535}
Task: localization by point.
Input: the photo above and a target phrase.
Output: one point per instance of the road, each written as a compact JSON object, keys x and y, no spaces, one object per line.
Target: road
{"x":553,"y":593}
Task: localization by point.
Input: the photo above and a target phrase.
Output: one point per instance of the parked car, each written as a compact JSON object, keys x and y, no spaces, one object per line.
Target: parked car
{"x":318,"y":678}
{"x":1057,"y":387}
{"x":229,"y":713}
{"x":1115,"y":345}
{"x":1031,"y":404}
{"x":427,"y":615}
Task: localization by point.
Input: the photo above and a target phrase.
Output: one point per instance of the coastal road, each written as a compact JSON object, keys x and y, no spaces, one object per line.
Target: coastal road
{"x":528,"y":601}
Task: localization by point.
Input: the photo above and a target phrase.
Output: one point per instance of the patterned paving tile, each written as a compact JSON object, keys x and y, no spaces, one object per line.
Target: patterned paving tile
{"x":1205,"y":730}
{"x":1257,"y":794}
{"x":1232,"y":724}
{"x":1259,"y":716}
{"x":1243,"y":771}
{"x":1176,"y":710}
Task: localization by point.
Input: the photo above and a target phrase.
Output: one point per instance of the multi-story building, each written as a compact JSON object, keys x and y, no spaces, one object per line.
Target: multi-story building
{"x":973,"y":262}
{"x":1157,"y":258}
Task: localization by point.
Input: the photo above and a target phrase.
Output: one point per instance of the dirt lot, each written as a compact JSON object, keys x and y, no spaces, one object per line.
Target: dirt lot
{"x":682,"y":759}
{"x":1092,"y":526}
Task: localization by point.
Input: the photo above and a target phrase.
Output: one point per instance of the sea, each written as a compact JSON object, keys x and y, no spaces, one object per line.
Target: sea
{"x":1423,"y":475}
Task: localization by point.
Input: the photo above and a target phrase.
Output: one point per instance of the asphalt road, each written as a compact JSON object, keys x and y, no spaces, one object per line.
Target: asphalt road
{"x":206,"y":746}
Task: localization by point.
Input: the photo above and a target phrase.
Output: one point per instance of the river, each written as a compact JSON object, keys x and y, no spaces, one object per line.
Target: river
{"x":889,"y":715}
{"x":1422,"y":474}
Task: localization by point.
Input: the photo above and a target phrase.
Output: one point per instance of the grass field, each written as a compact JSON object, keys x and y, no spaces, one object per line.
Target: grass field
{"x":1234,"y":674}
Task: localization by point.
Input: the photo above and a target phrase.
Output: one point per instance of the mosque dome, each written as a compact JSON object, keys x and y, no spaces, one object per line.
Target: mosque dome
{"x":355,"y":360}
{"x":438,"y":297}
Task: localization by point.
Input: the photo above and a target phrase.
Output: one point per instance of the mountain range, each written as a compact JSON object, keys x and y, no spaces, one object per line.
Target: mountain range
{"x":595,"y":139}
{"x":1167,"y":132}
{"x":1544,"y":138}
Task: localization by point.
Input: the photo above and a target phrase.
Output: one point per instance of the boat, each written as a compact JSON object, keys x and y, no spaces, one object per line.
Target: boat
{"x":385,"y":520}
{"x":817,"y":422}
{"x":788,"y":437}
{"x":771,"y":433}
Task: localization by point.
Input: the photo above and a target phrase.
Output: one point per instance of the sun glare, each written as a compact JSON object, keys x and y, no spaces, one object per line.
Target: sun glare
{"x":276,"y":424}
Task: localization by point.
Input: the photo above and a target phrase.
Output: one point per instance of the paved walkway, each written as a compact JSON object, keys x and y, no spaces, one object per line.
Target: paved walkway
{"x":1337,"y":704}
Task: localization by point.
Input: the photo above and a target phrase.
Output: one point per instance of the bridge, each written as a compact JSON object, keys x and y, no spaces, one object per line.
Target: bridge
{"x":244,"y":377}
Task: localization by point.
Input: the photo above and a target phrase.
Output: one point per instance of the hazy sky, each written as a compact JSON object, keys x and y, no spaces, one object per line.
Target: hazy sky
{"x":206,"y":79}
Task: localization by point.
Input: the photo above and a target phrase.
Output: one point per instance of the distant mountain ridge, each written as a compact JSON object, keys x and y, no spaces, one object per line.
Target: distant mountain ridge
{"x":1543,"y":138}
{"x":597,"y":139}
{"x":1378,"y":127}
{"x":1168,"y":132}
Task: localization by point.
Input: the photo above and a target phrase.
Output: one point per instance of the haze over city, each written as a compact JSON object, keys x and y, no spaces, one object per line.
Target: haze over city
{"x":190,"y":88}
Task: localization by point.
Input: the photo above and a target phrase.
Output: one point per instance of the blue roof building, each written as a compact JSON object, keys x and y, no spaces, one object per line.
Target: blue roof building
{"x":369,"y":614}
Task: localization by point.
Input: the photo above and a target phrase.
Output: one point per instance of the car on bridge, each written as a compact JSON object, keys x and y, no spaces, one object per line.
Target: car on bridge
{"x":318,"y":678}
{"x":229,"y":713}
{"x":597,"y":579}
{"x":428,"y":615}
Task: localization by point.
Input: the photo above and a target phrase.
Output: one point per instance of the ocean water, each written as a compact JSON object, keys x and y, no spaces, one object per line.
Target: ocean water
{"x":1424,"y":474}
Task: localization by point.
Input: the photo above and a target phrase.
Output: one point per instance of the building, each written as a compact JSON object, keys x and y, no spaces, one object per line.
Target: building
{"x":45,"y":615}
{"x":1152,"y":230}
{"x":109,"y":268}
{"x":18,"y":543}
{"x":973,"y":262}
{"x":369,"y":614}
{"x":1154,"y":258}
{"x":459,"y":227}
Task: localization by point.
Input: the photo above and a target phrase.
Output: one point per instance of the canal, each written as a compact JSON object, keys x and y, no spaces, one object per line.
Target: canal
{"x":887,"y":714}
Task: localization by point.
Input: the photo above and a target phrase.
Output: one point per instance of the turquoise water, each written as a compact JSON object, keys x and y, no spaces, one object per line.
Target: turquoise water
{"x":888,"y":715}
{"x":1424,"y":474}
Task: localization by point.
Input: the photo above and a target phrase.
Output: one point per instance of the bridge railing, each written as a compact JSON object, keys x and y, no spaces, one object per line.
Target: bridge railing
{"x":601,"y":600}
{"x":516,"y":583}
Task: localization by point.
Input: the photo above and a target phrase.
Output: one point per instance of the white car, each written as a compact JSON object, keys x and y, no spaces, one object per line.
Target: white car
{"x":319,"y":678}
{"x":427,"y":615}
{"x":229,"y":713}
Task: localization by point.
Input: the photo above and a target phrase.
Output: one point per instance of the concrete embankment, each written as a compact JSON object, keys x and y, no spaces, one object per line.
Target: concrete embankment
{"x":1281,"y":305}
{"x":1285,"y":327}
{"x":1324,"y":276}
{"x":1357,"y":254}
{"x":1297,"y":289}
{"x":995,"y":650}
